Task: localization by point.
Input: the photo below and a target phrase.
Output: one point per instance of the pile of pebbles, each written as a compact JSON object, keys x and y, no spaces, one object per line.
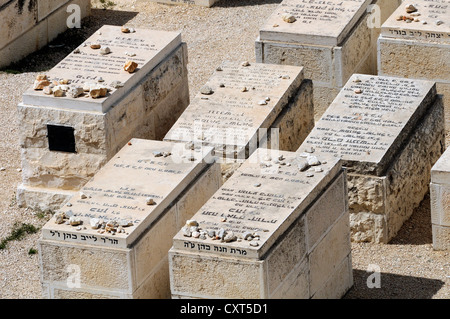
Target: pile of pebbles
{"x":193,"y":229}
{"x":65,"y":88}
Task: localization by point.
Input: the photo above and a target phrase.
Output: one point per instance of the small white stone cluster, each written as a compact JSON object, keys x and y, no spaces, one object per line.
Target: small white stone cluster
{"x":305,"y":160}
{"x":111,"y":226}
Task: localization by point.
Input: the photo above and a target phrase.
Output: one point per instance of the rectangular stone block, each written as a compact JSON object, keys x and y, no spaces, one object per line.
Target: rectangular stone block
{"x":254,"y":234}
{"x":27,"y":26}
{"x":331,"y":40}
{"x":388,"y":132}
{"x":111,"y":239}
{"x":337,"y":283}
{"x":203,"y":3}
{"x":65,"y":140}
{"x":402,"y":46}
{"x":242,"y":107}
{"x":16,"y":18}
{"x":440,"y":202}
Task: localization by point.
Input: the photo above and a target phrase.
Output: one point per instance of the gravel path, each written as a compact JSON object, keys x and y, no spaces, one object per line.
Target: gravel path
{"x":409,"y":267}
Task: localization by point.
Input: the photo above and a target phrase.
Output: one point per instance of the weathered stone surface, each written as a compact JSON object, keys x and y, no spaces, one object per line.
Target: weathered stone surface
{"x":402,"y":46}
{"x":27,"y":26}
{"x":150,"y":46}
{"x":146,"y":110}
{"x":126,"y":229}
{"x":388,"y":135}
{"x":440,"y":202}
{"x":235,"y":121}
{"x":283,"y":216}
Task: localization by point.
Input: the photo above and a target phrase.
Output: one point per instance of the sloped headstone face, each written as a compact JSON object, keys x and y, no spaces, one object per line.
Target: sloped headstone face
{"x":77,"y":115}
{"x":330,"y":39}
{"x":89,"y":66}
{"x":264,"y":232}
{"x":388,"y":132}
{"x":28,"y":25}
{"x":242,"y":105}
{"x":440,"y":202}
{"x":128,"y":212}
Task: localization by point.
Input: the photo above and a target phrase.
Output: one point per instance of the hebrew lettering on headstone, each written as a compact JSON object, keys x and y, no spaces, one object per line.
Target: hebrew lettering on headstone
{"x":128,"y":213}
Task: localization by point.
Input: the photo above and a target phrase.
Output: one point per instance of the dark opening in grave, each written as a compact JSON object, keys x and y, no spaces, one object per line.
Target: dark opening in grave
{"x":61,"y":138}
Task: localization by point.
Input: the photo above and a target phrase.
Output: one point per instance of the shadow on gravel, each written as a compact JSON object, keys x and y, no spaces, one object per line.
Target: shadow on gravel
{"x":50,"y":55}
{"x":242,"y":3}
{"x":417,"y":229}
{"x":393,"y":286}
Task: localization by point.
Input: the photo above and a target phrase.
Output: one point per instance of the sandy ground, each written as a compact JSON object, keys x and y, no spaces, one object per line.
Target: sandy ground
{"x":409,"y":268}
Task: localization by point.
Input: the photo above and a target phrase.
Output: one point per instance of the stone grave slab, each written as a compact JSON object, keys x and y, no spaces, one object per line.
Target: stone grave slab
{"x":440,"y":202}
{"x":388,"y":132}
{"x":64,"y":140}
{"x":203,"y":3}
{"x":247,"y":105}
{"x":29,"y":25}
{"x":404,"y":44}
{"x":129,"y":212}
{"x":275,"y":229}
{"x":330,"y":39}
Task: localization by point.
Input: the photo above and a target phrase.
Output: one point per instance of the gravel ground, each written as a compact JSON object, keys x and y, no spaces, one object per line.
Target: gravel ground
{"x":409,"y":268}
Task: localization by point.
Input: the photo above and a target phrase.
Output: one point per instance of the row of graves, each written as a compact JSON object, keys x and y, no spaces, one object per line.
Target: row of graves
{"x":237,"y":193}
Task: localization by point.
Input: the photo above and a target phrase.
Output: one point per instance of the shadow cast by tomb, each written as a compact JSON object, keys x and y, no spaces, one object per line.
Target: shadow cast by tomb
{"x":392,"y":286}
{"x":243,"y":3}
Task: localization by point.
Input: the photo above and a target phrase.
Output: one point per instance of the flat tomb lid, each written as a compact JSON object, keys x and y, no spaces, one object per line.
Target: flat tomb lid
{"x":145,"y":47}
{"x":317,"y":21}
